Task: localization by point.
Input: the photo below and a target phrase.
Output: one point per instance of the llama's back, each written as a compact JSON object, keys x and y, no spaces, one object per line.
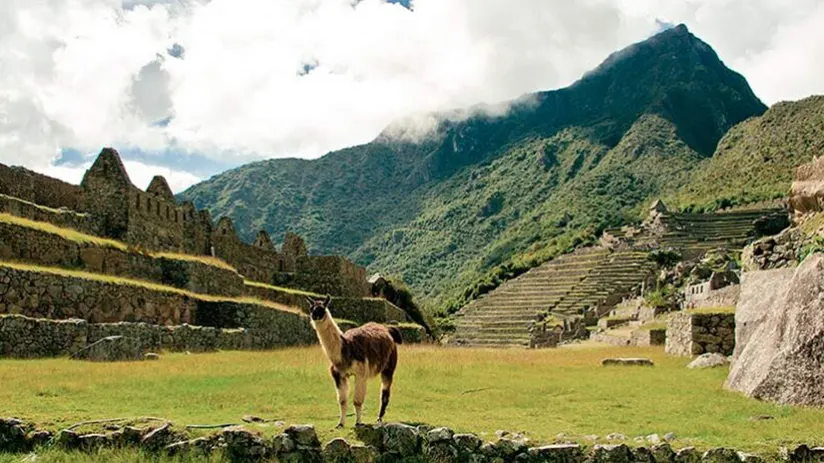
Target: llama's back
{"x":372,"y":343}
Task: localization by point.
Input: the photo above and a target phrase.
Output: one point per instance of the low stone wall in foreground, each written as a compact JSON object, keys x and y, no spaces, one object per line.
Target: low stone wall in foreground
{"x":392,"y":442}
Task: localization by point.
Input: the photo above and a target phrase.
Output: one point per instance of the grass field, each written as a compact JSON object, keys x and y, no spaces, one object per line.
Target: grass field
{"x":539,"y":392}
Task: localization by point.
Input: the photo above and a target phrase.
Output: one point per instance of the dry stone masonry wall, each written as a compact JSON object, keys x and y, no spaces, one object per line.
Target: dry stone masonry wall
{"x":392,"y":442}
{"x":25,"y":337}
{"x":698,"y":333}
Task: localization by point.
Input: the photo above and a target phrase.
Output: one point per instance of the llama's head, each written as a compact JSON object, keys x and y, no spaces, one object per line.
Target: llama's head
{"x":318,"y":309}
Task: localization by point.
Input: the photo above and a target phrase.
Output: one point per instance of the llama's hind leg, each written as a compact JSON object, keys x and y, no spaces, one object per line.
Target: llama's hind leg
{"x":386,"y":383}
{"x":360,"y":397}
{"x":342,"y":385}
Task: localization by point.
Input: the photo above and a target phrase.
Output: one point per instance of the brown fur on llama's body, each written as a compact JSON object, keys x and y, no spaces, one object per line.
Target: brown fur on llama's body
{"x":362,"y":352}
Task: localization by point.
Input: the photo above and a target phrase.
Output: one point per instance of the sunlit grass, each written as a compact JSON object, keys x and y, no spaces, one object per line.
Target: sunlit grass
{"x":66,"y":233}
{"x":540,"y":392}
{"x":207,"y":260}
{"x":712,"y":310}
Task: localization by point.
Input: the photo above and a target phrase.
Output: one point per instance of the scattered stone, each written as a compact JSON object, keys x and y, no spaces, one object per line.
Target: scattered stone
{"x":304,"y":435}
{"x":39,"y":438}
{"x":283,"y":443}
{"x":90,"y":442}
{"x":370,"y":435}
{"x":509,"y":447}
{"x":337,"y":450}
{"x":749,"y":458}
{"x":654,"y":439}
{"x":159,"y":438}
{"x":501,"y":433}
{"x":12,"y":435}
{"x":200,"y":446}
{"x":244,"y":445}
{"x":364,"y":454}
{"x":687,"y":455}
{"x":663,"y":453}
{"x":151,"y":356}
{"x":627,"y":361}
{"x":616,"y":436}
{"x":611,"y":454}
{"x":67,"y":440}
{"x":720,"y":455}
{"x":710,"y":360}
{"x":557,"y":453}
{"x":643,"y":455}
{"x":467,"y":443}
{"x":252,"y":419}
{"x":439,"y":435}
{"x":670,"y":436}
{"x":401,"y":439}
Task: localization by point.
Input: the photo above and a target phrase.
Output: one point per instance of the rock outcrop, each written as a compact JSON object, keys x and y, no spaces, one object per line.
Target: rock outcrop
{"x":783,"y":358}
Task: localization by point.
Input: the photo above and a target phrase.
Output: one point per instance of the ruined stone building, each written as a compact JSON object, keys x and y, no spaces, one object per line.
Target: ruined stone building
{"x":107,"y":204}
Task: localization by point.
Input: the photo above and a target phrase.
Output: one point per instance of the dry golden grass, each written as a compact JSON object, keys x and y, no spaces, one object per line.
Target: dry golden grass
{"x":539,"y":392}
{"x":66,"y":233}
{"x":280,"y":289}
{"x":713,"y":310}
{"x":207,"y":260}
{"x":116,"y":280}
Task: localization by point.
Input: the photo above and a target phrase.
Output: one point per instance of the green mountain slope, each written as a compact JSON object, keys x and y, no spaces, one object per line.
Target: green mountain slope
{"x":756,"y":159}
{"x":486,"y":196}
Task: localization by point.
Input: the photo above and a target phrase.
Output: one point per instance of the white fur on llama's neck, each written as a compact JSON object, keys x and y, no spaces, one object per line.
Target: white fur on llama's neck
{"x":329,"y":335}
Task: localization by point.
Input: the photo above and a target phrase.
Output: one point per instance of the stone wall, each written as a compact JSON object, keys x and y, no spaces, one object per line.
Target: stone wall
{"x":646,"y":338}
{"x":807,"y":190}
{"x":26,"y":337}
{"x":65,"y":218}
{"x":698,"y":333}
{"x":28,"y":244}
{"x":255,"y":263}
{"x":331,"y":275}
{"x":724,"y":297}
{"x":391,"y":442}
{"x":359,"y":310}
{"x":39,"y":189}
{"x":155,"y":222}
{"x":60,"y":297}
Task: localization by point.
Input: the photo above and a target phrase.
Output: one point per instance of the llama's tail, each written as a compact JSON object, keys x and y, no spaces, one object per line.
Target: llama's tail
{"x":396,"y":334}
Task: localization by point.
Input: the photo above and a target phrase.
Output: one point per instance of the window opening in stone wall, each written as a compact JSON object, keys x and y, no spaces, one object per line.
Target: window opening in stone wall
{"x":157,"y":210}
{"x":137,"y":202}
{"x":148,"y":204}
{"x":167,"y":213}
{"x":176,"y":218}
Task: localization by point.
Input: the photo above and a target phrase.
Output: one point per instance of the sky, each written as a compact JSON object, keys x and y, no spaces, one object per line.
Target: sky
{"x":189,"y":88}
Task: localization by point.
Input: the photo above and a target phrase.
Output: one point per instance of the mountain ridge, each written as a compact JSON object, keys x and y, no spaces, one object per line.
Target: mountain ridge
{"x":516,"y":189}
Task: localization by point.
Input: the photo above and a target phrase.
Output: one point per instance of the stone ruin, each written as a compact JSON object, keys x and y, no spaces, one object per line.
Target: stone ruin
{"x":107,"y":204}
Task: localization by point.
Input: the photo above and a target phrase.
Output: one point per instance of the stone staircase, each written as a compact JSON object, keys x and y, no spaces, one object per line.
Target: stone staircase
{"x":564,"y":287}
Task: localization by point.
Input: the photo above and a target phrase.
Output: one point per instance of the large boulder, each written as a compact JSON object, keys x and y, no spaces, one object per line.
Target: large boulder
{"x":783,"y":359}
{"x":759,"y":292}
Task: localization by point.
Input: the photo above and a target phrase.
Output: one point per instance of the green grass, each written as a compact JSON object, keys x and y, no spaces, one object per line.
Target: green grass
{"x":713,"y":310}
{"x":111,"y":279}
{"x":653,"y":326}
{"x":540,"y":392}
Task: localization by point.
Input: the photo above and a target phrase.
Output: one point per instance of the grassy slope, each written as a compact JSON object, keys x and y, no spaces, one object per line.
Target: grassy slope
{"x":756,"y":159}
{"x":513,"y":190}
{"x":541,"y":392}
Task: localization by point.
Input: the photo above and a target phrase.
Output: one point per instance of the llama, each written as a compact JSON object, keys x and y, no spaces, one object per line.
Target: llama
{"x":362,"y":352}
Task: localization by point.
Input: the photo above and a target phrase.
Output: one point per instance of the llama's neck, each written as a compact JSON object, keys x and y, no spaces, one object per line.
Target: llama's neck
{"x":330,"y":337}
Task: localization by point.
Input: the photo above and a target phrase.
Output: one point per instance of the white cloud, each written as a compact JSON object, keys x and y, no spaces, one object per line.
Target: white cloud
{"x":91,"y":73}
{"x":140,"y":174}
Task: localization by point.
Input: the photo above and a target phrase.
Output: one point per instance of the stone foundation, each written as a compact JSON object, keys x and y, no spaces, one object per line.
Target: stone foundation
{"x":698,"y":333}
{"x":645,"y":338}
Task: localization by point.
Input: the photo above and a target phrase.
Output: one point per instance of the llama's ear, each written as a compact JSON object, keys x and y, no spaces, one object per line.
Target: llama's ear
{"x":310,"y":301}
{"x":327,"y":301}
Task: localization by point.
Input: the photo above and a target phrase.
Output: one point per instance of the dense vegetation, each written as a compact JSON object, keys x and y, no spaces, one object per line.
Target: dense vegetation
{"x":485,"y":198}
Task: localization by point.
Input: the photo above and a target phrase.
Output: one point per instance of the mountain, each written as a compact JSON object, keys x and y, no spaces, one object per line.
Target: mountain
{"x":756,"y":159}
{"x":484,"y":197}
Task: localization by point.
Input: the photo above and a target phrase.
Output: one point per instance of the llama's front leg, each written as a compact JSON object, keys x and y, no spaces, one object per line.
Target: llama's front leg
{"x":342,"y":385}
{"x":360,"y":396}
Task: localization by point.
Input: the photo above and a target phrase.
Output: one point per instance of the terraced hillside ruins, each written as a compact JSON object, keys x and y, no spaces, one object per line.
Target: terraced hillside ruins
{"x":107,"y":261}
{"x":559,"y":299}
